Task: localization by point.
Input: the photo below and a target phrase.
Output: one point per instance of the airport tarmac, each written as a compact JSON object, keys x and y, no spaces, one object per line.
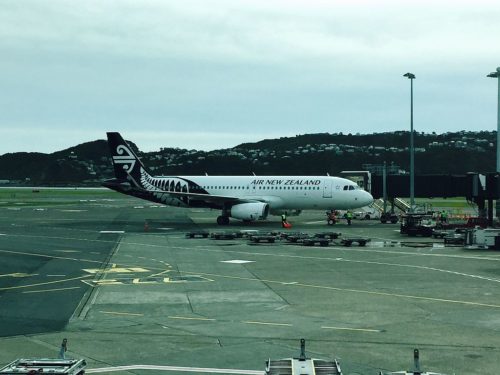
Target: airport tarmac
{"x":126,"y":294}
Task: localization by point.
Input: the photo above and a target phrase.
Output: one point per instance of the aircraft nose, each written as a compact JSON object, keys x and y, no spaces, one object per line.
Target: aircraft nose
{"x":367,"y":198}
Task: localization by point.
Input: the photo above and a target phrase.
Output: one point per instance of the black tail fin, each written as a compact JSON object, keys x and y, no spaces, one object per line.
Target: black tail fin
{"x":128,"y":167}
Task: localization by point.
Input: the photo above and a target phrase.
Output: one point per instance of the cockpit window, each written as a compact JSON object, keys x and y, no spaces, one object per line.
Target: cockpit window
{"x":346,"y":187}
{"x":351,"y":187}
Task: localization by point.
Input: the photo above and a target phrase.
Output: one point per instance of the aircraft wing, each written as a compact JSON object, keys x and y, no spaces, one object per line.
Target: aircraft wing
{"x":275,"y":201}
{"x":219,"y":199}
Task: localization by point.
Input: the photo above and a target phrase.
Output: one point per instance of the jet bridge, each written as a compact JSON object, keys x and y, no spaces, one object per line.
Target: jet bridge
{"x":474,"y":187}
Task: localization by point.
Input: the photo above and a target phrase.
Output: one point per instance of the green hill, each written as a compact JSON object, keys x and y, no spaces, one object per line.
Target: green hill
{"x":308,"y":154}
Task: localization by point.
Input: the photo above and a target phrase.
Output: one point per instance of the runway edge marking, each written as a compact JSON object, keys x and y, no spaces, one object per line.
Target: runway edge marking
{"x":174,"y":368}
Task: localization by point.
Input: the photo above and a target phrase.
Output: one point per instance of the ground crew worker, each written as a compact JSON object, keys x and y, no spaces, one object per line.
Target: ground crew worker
{"x":444,"y":216}
{"x":331,"y":217}
{"x":284,"y":222}
{"x":64,"y":349}
{"x":349,"y":217}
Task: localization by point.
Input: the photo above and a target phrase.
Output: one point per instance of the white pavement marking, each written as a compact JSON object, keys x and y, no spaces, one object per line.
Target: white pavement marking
{"x":175,"y":368}
{"x":72,"y":210}
{"x":353,"y":329}
{"x":112,"y":231}
{"x":237,"y":261}
{"x":267,"y":323}
{"x":120,"y":313}
{"x":190,"y":318}
{"x":2,"y":234}
{"x":115,"y":270}
{"x":281,"y":307}
{"x":19,"y":274}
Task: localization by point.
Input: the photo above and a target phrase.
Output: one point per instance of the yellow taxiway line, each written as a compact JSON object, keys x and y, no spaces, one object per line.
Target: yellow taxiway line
{"x":51,"y":290}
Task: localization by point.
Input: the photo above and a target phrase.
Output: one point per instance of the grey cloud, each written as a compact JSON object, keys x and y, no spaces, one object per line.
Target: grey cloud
{"x":243,"y":68}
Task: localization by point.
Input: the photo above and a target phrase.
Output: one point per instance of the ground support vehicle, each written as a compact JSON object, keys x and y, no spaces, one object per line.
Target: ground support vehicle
{"x":470,"y":222}
{"x":350,"y":241}
{"x":416,"y":370}
{"x":307,"y":240}
{"x":262,"y":238}
{"x":388,"y":217}
{"x":456,"y":239}
{"x":247,"y":233}
{"x":366,"y":214}
{"x":329,"y":235}
{"x":295,"y":237}
{"x":198,"y":234}
{"x":302,"y":365}
{"x":420,"y":230}
{"x":311,"y":241}
{"x":45,"y":366}
{"x":458,"y":232}
{"x":223,"y":236}
{"x":437,"y":233}
{"x":483,"y":238}
{"x":416,"y":224}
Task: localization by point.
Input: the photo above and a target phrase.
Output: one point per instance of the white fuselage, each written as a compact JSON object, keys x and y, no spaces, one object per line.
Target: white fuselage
{"x":285,"y":192}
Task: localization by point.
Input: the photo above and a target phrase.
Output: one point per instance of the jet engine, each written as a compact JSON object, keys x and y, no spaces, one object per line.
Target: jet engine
{"x":250,"y":211}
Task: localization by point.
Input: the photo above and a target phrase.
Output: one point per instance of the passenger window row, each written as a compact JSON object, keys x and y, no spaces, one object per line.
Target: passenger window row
{"x":264,"y":187}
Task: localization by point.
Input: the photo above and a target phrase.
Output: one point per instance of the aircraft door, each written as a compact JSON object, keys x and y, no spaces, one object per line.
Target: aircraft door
{"x":327,"y":189}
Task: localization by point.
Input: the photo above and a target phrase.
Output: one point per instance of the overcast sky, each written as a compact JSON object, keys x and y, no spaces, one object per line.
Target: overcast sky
{"x":213,"y":74}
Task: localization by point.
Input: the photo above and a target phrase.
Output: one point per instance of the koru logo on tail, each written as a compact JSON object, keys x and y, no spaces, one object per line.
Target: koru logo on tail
{"x":125,"y":157}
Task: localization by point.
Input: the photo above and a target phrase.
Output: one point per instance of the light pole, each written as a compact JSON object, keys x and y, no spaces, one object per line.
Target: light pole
{"x":497,"y":75}
{"x":411,"y":77}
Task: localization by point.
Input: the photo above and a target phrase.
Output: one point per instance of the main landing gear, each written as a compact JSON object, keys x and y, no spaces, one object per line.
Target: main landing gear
{"x":222,"y":220}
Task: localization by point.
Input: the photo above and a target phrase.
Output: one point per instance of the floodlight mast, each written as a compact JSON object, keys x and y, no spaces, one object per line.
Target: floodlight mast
{"x":411,"y":77}
{"x":497,"y":76}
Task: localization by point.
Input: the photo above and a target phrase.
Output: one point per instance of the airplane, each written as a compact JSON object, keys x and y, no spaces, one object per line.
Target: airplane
{"x":246,"y":198}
